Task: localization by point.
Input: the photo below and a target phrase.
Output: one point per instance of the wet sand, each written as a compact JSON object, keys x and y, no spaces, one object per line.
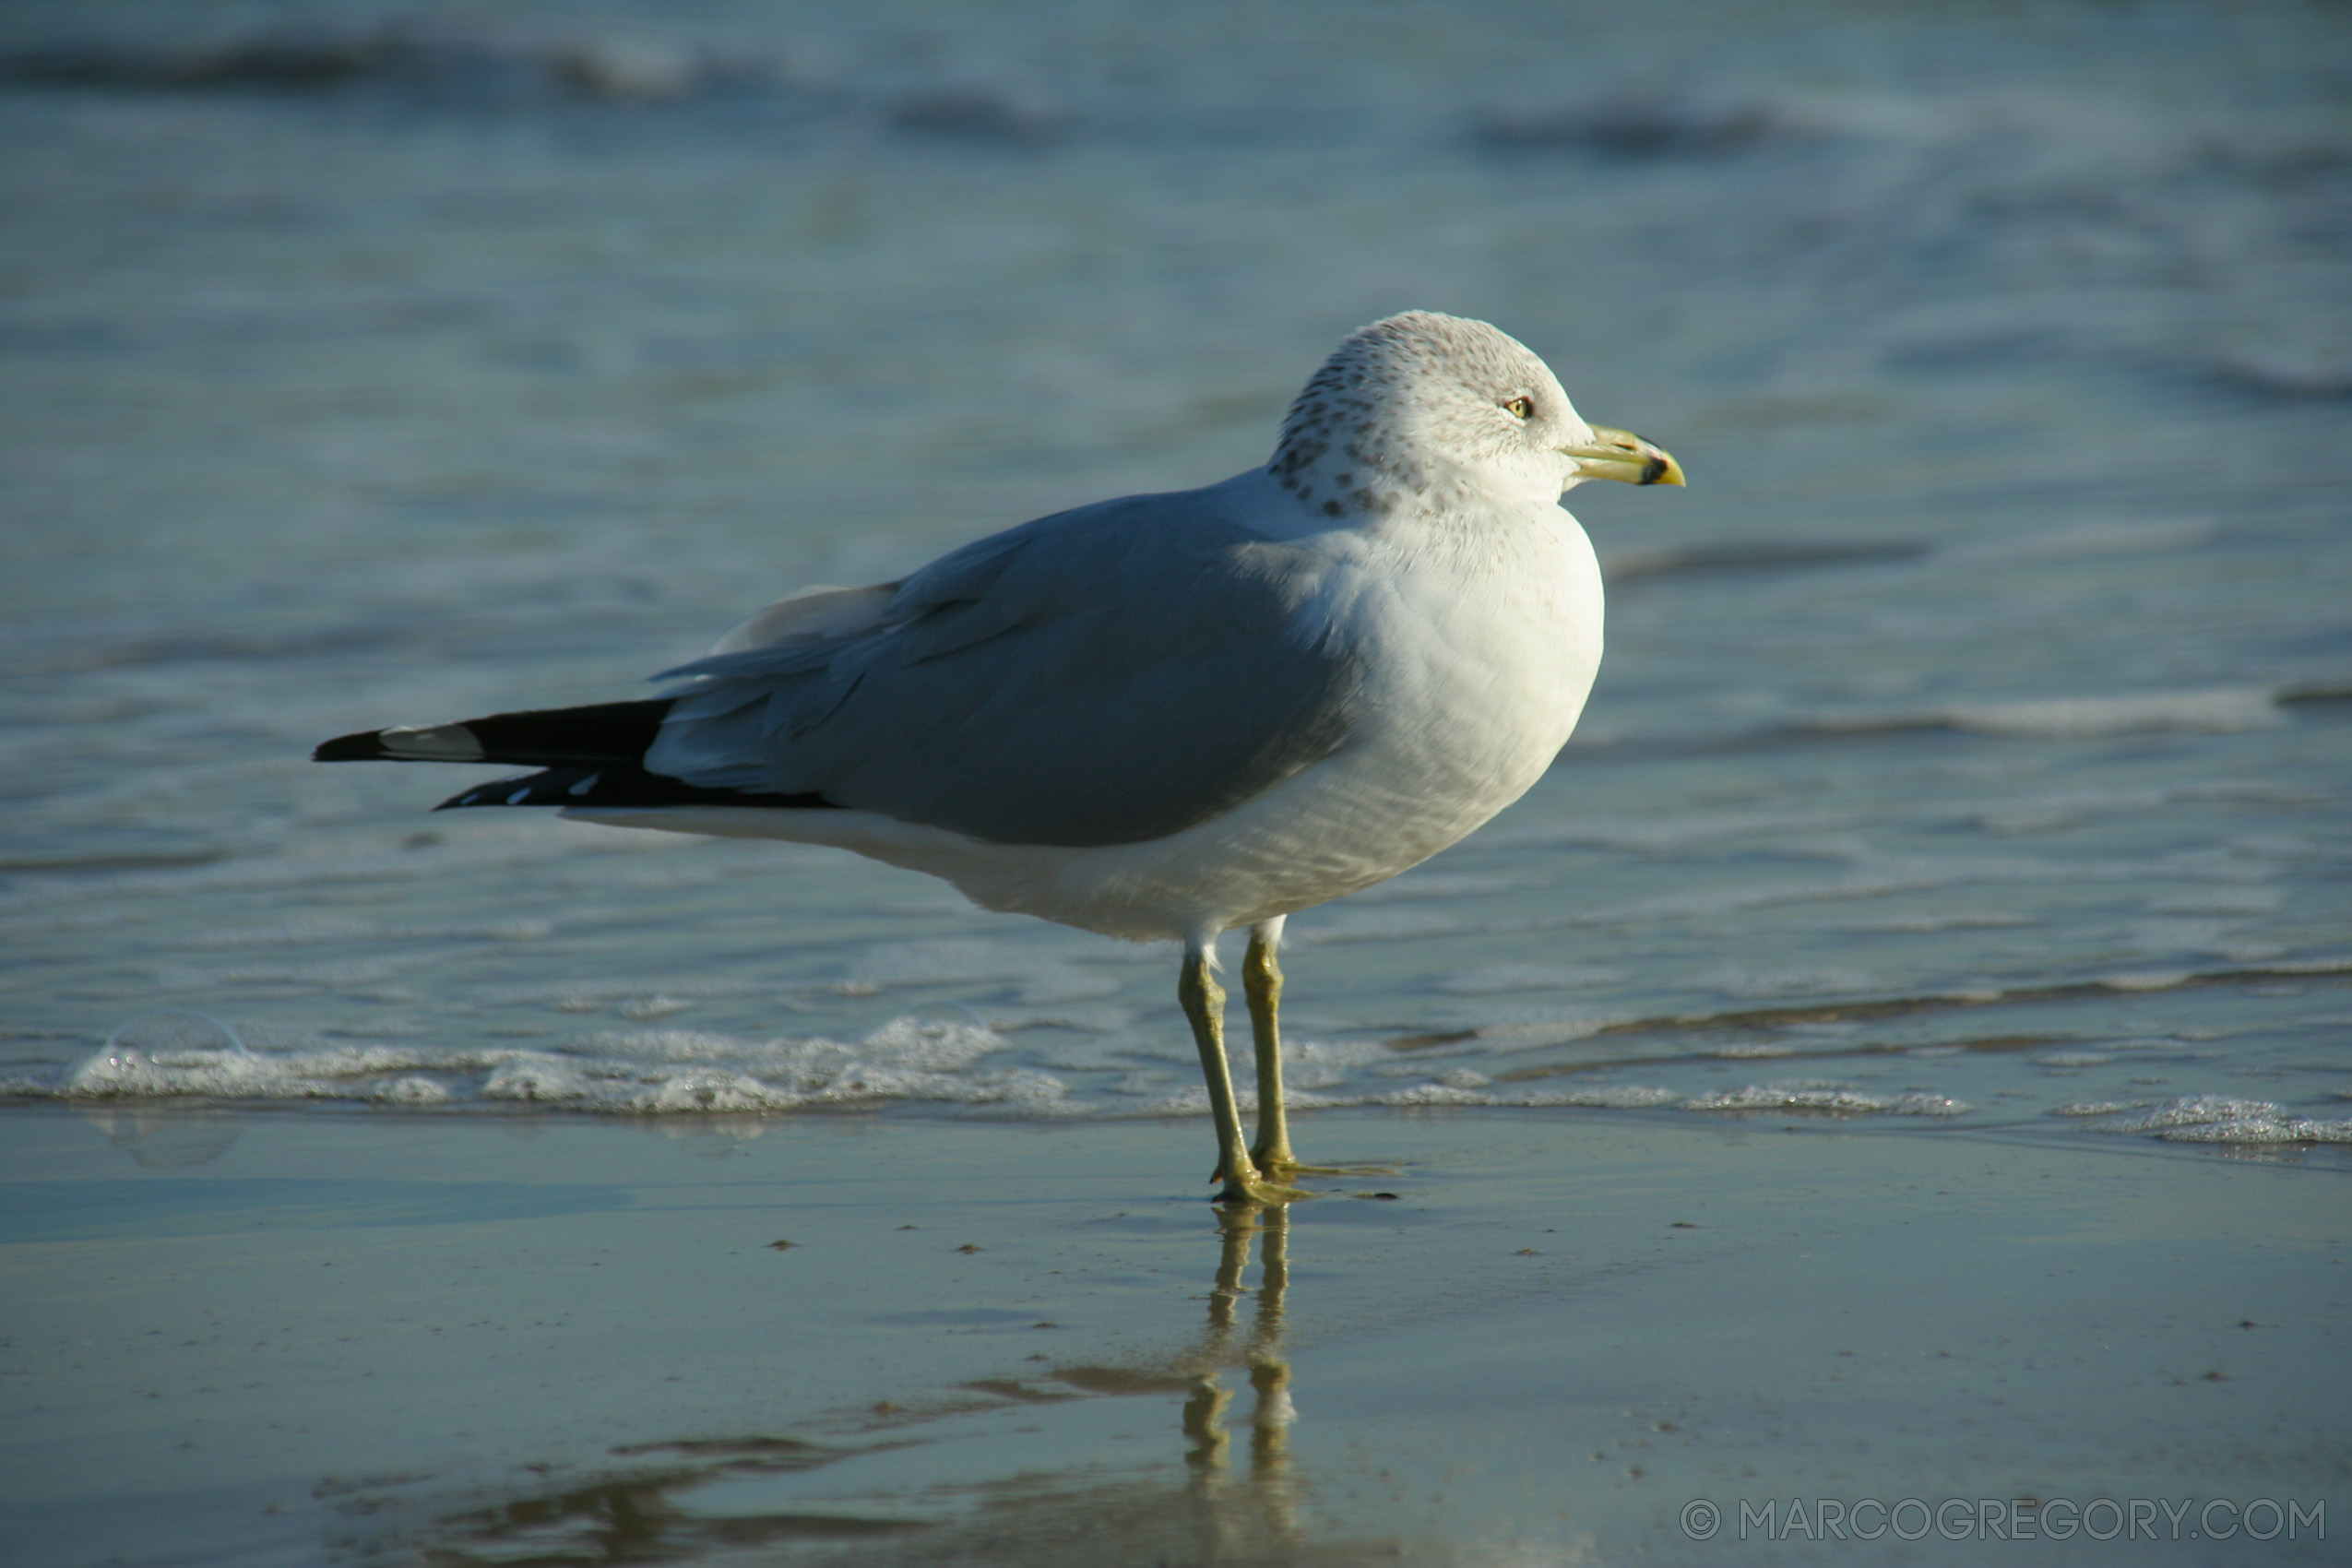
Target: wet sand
{"x":304,"y":1336}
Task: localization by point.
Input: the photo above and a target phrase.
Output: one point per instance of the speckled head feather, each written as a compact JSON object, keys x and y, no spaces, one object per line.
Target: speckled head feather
{"x":1410,"y":413}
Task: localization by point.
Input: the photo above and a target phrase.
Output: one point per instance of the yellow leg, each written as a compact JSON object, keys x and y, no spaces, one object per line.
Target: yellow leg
{"x":1203,"y":1003}
{"x":1262,"y":983}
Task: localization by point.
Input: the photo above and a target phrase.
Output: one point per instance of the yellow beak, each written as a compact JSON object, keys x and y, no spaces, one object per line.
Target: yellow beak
{"x":1621,"y":455}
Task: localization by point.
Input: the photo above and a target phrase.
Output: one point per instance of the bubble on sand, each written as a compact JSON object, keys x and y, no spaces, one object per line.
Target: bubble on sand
{"x":171,"y":1051}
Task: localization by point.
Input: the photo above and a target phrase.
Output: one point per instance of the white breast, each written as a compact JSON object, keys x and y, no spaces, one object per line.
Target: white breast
{"x":1477,"y":658}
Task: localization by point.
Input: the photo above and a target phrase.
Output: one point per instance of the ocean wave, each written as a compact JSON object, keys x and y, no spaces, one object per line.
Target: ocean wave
{"x":435,"y":64}
{"x":646,"y":1072}
{"x":964,"y":1069}
{"x":2212,"y":1119}
{"x":2212,"y":709}
{"x":908,"y":1061}
{"x":1811,"y":1094}
{"x":2192,"y":710}
{"x":1539,"y":1029}
{"x":1506,"y":1053}
{"x":1650,"y":125}
{"x":2209,"y":709}
{"x":422,"y":65}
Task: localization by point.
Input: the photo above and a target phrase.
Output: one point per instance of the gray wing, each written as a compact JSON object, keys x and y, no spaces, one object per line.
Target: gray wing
{"x":1104,"y":676}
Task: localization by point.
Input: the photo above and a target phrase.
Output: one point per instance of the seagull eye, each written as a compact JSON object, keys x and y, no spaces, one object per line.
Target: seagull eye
{"x":1521,"y":407}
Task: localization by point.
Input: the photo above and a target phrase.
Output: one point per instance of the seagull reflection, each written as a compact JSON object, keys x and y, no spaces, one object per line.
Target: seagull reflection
{"x":702,"y":1498}
{"x":1225,"y":1345}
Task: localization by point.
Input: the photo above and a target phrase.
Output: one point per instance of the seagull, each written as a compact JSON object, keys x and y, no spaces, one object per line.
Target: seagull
{"x":1160,"y":717}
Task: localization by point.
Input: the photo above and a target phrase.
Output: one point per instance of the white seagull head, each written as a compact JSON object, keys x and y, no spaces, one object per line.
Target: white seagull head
{"x":1414,"y":414}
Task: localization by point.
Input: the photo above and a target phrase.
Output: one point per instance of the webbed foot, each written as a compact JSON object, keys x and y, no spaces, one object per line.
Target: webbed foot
{"x":1259,"y":1186}
{"x":1261,"y":1192}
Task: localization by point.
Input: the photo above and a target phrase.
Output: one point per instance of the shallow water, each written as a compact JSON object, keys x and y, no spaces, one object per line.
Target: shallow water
{"x":1972,"y":744}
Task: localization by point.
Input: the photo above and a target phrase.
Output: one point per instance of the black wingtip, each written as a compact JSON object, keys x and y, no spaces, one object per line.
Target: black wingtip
{"x":366,"y":746}
{"x":597,"y":735}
